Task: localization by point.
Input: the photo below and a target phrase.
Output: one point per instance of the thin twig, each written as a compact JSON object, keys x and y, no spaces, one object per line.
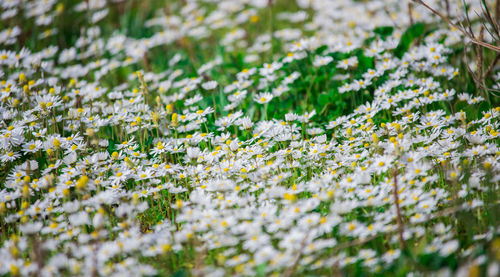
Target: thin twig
{"x":410,"y":12}
{"x":493,"y":33}
{"x":480,"y":61}
{"x":492,"y":65}
{"x":147,"y":64}
{"x":460,"y":28}
{"x":447,"y":4}
{"x":289,"y":272}
{"x":497,"y":11}
{"x":476,"y":80}
{"x":493,"y":23}
{"x":445,"y":212}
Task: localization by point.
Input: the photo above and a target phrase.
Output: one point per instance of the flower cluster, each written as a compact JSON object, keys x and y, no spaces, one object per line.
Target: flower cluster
{"x":321,"y":149}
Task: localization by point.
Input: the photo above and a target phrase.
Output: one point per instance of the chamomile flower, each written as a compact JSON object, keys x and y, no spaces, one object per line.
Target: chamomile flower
{"x":209,"y":85}
{"x":263,"y":97}
{"x":32,"y":146}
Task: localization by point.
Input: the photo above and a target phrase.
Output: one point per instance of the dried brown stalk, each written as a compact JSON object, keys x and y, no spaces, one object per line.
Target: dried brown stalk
{"x":488,"y":24}
{"x":410,"y":12}
{"x":479,"y":82}
{"x":447,"y":5}
{"x":480,"y":59}
{"x":467,"y":33}
{"x":497,"y":11}
{"x":445,"y":212}
{"x":147,"y":64}
{"x":492,"y":65}
{"x":201,"y":253}
{"x":289,"y":272}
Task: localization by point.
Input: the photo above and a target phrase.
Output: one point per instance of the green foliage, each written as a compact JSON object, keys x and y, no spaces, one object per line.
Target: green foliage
{"x":409,"y":36}
{"x":318,"y":88}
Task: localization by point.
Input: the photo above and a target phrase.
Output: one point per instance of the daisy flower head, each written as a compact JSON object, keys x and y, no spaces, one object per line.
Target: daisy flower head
{"x":263,"y":97}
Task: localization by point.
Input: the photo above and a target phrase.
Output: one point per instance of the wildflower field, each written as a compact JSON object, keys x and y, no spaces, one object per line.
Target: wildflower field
{"x":249,"y":138}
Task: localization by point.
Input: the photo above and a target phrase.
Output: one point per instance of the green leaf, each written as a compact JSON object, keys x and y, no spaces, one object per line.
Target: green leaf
{"x":364,"y":63}
{"x":111,"y":146}
{"x":323,"y":99}
{"x":408,"y":37}
{"x":320,"y":49}
{"x":149,"y":141}
{"x":261,"y":270}
{"x":180,"y":273}
{"x":384,"y":31}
